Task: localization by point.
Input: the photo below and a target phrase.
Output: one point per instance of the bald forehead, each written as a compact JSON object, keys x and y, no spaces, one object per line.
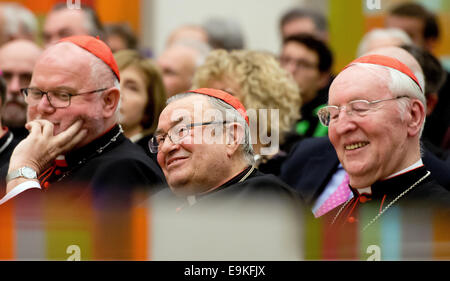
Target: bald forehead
{"x":399,"y":54}
{"x":360,"y":82}
{"x":69,"y":17}
{"x":67,"y":51}
{"x":181,"y":51}
{"x":20,"y":48}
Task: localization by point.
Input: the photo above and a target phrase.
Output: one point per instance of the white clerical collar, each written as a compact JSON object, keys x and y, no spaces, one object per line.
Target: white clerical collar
{"x":368,"y":190}
{"x":410,"y":168}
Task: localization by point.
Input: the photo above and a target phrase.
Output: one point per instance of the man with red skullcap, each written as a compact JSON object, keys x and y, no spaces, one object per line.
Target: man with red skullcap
{"x":204,"y":148}
{"x":375,"y":115}
{"x":218,"y":204}
{"x":73,"y":101}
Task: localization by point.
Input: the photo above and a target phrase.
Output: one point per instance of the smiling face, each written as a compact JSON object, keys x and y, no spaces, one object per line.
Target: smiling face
{"x":197,"y":163}
{"x":63,"y":66}
{"x":376,"y":145}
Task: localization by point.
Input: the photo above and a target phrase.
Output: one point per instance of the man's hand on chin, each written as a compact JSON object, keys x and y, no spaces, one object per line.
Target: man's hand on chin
{"x":40,"y":148}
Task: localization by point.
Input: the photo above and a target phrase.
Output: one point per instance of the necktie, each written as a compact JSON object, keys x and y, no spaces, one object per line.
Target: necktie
{"x":339,"y":196}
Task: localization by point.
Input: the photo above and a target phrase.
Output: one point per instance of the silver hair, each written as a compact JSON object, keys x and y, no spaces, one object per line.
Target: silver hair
{"x":224,"y":33}
{"x":232,"y":115}
{"x":103,"y":77}
{"x":19,"y":19}
{"x":382,"y":33}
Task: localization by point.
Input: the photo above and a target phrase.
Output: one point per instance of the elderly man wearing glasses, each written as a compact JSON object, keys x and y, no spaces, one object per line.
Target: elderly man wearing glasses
{"x":375,"y":115}
{"x":73,"y":101}
{"x":204,"y":148}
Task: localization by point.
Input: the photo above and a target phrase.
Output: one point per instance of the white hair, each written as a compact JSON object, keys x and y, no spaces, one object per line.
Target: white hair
{"x":19,"y":19}
{"x":379,"y":34}
{"x":103,"y":77}
{"x":231,"y":114}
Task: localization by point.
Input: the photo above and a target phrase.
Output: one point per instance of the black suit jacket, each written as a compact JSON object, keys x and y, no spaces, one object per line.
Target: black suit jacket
{"x":309,"y":167}
{"x":109,"y":169}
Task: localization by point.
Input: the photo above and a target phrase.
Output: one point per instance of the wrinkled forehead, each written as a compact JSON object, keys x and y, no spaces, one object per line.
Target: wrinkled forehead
{"x":360,"y":82}
{"x":65,"y":56}
{"x":187,"y":109}
{"x":64,"y":50}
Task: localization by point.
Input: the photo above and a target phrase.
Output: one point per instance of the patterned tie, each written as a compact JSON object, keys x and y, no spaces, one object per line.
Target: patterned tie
{"x":339,"y":196}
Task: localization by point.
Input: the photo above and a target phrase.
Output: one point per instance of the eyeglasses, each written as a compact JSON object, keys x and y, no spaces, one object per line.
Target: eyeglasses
{"x":56,"y":98}
{"x":299,"y":63}
{"x":358,"y":107}
{"x":176,"y":134}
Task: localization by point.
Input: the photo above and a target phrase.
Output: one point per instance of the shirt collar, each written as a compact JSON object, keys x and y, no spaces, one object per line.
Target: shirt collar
{"x":368,"y":190}
{"x":418,"y":164}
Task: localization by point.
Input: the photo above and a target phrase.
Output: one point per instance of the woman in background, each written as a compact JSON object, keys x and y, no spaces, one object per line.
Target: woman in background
{"x":143,"y":96}
{"x":257,"y":79}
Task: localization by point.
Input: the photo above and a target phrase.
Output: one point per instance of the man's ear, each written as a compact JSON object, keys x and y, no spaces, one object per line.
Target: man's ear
{"x":416,"y":117}
{"x":110,"y":101}
{"x":234,"y":137}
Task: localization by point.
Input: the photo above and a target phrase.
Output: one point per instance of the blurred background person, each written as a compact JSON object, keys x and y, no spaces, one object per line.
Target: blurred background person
{"x":7,"y":141}
{"x":420,"y":24}
{"x":224,"y":33}
{"x":382,"y":37}
{"x":217,"y":32}
{"x":17,"y":60}
{"x":178,"y":63}
{"x":187,"y":32}
{"x":302,"y":20}
{"x":309,"y":60}
{"x":17,"y":22}
{"x":62,"y":22}
{"x":143,"y":96}
{"x":120,"y":36}
{"x":423,"y":28}
{"x":259,"y":82}
{"x":435,"y":77}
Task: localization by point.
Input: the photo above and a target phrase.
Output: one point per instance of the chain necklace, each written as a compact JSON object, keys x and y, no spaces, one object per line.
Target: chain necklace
{"x":387,"y":207}
{"x":97,"y":152}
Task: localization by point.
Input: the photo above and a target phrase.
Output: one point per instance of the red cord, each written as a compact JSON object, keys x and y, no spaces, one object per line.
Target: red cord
{"x":46,"y":174}
{"x":382,"y":202}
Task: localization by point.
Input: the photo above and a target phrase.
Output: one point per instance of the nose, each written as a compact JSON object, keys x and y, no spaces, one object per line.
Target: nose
{"x":14,"y":85}
{"x":290,"y":66}
{"x":44,"y":105}
{"x":344,"y":123}
{"x":167,"y":148}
